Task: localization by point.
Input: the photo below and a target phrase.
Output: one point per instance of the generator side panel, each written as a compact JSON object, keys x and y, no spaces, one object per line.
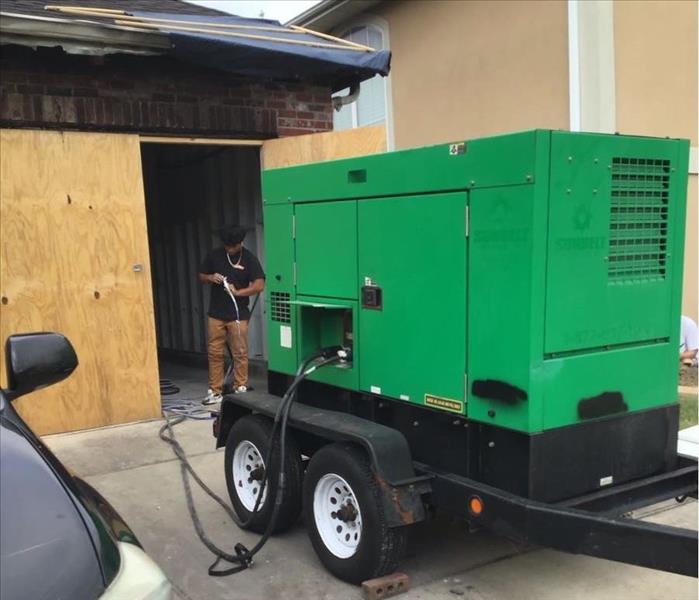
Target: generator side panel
{"x":280,"y":288}
{"x":503,"y":278}
{"x":506,"y":282}
{"x":616,"y":230}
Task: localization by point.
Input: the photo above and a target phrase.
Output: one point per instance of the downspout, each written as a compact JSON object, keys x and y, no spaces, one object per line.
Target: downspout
{"x":340,"y":101}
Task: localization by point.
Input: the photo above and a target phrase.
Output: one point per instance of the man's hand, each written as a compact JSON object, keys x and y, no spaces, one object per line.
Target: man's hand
{"x":231,"y":288}
{"x":216,"y":278}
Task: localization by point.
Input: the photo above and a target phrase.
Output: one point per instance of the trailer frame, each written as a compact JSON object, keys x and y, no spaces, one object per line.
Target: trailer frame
{"x":594,"y":524}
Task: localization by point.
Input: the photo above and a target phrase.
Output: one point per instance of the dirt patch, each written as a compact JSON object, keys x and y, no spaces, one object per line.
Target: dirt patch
{"x":688,"y":376}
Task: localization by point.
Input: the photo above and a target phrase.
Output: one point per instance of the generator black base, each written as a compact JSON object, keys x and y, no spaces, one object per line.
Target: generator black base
{"x":550,"y":491}
{"x":549,"y":466}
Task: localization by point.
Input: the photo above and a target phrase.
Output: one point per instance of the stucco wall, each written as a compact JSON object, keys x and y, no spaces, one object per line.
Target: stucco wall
{"x":463,"y":69}
{"x":468,"y":69}
{"x":656,"y":91}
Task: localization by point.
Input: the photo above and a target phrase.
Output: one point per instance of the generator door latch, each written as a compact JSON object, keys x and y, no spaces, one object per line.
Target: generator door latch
{"x":372,"y":297}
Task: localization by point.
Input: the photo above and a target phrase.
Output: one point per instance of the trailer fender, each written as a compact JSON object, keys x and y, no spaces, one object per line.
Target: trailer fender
{"x":387,"y":448}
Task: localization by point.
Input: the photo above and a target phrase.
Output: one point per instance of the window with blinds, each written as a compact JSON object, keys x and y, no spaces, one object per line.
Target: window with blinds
{"x":370,"y":107}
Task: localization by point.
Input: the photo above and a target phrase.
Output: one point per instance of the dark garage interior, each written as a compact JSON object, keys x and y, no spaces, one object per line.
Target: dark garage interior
{"x":191,"y":192}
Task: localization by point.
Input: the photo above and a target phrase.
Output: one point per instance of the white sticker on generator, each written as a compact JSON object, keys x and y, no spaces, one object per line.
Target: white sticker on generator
{"x":285,"y":336}
{"x":606,"y":480}
{"x":375,"y":389}
{"x":404,"y":397}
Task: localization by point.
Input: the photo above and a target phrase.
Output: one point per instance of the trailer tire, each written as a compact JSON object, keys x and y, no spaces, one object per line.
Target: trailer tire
{"x":246,"y":447}
{"x":357,"y":545}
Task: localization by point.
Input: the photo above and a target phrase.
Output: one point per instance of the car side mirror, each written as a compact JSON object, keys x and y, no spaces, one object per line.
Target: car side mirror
{"x":37,"y":360}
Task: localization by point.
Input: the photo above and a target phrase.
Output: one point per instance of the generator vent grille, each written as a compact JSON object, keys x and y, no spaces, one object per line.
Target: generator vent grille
{"x":638,"y":220}
{"x":280,"y":307}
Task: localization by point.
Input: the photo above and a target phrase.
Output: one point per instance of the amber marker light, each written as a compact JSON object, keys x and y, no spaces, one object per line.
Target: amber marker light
{"x":475,"y":505}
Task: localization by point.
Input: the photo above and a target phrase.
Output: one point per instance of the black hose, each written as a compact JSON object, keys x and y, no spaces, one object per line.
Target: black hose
{"x":243,"y":557}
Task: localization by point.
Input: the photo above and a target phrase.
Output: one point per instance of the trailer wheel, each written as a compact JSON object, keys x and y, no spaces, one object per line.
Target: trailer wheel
{"x":343,"y":512}
{"x":246,"y":448}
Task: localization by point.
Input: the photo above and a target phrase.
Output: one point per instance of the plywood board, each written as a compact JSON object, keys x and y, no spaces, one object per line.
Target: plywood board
{"x":72,"y":227}
{"x":300,"y":149}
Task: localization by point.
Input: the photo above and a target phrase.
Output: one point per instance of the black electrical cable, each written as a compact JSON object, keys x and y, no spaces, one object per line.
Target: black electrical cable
{"x":243,"y":557}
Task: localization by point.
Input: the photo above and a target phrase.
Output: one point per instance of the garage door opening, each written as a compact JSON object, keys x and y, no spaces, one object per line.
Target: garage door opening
{"x":191,"y":192}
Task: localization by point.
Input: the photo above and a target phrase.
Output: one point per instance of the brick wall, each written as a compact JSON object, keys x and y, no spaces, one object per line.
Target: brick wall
{"x":50,"y":89}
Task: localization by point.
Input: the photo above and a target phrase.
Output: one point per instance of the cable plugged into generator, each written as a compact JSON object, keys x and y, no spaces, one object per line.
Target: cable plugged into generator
{"x":243,"y":558}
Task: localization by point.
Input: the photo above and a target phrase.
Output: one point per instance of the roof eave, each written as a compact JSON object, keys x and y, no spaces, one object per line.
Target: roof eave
{"x":78,"y":37}
{"x":328,"y":14}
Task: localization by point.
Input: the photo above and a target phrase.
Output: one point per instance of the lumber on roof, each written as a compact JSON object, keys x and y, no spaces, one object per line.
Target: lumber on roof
{"x":211,"y":27}
{"x":267,"y":38}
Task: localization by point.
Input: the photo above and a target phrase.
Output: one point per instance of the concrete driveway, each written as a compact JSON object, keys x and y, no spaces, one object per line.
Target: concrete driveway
{"x":138,"y":473}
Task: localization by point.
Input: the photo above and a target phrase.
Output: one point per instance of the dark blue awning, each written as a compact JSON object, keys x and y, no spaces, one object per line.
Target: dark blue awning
{"x":319,"y":60}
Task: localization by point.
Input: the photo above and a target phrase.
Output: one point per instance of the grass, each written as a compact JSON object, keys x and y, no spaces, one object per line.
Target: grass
{"x":688,"y":410}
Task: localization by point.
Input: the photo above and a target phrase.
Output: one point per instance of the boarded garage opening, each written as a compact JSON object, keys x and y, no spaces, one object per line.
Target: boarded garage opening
{"x":191,"y":192}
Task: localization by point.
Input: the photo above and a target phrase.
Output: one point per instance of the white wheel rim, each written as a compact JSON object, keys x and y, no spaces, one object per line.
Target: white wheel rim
{"x":248,"y":467}
{"x":337,"y":515}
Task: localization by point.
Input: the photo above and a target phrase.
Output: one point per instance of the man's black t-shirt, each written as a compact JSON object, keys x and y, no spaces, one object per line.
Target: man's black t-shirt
{"x":246,"y":270}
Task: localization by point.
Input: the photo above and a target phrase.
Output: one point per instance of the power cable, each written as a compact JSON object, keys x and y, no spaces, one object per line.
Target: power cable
{"x":243,"y":557}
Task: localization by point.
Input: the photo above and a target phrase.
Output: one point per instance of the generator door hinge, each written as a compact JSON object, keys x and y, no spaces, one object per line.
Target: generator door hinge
{"x":293,"y":227}
{"x":467,"y":223}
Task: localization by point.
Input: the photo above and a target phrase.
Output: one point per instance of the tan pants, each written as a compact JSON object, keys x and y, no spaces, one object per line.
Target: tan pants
{"x":219,"y":332}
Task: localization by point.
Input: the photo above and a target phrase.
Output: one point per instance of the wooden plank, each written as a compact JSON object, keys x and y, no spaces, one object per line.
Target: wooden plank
{"x":103,"y":12}
{"x":123,"y":16}
{"x":73,"y":225}
{"x":163,"y":139}
{"x":332,"y":38}
{"x":300,"y":149}
{"x":208,"y":30}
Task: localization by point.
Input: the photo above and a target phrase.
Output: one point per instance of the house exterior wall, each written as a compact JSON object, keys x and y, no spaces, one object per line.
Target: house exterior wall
{"x":464,"y":69}
{"x":151,"y":94}
{"x":656,"y":92}
{"x":469,"y":69}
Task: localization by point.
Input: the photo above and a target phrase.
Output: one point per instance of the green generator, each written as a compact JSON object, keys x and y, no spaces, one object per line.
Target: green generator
{"x":512,"y":303}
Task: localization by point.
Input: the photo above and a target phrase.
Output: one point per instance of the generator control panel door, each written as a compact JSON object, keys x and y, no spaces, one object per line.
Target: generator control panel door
{"x":326,"y":249}
{"x":412,"y":282}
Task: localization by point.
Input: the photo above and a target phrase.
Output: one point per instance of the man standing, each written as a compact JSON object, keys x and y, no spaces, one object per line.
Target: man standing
{"x":235,"y":274}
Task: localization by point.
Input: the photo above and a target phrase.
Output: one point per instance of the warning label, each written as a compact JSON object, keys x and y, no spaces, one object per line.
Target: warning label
{"x":444,"y":403}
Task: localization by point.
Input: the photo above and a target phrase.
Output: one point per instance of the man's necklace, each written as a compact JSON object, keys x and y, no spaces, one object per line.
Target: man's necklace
{"x":237,"y":264}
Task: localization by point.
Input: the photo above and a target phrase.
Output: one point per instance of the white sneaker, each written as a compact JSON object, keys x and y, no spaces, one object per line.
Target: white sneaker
{"x":241,"y":389}
{"x":212,"y":398}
